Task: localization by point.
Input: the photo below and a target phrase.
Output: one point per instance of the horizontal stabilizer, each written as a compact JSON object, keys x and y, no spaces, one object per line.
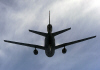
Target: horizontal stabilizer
{"x":59,"y":32}
{"x":73,"y":42}
{"x":25,"y":44}
{"x":39,"y":33}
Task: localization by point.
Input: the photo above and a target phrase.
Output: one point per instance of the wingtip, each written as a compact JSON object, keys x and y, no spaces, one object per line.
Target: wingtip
{"x":69,"y":28}
{"x":95,"y":36}
{"x":29,"y":30}
{"x":4,"y":40}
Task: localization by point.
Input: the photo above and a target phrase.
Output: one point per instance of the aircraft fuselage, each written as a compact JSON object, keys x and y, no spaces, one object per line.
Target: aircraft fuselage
{"x":49,"y":45}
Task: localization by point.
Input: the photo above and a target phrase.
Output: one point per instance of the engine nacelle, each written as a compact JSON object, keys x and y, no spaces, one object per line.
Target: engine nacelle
{"x":35,"y":52}
{"x":64,"y":50}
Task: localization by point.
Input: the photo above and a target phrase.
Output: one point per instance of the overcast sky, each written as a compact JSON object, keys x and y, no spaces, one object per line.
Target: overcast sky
{"x":18,"y":16}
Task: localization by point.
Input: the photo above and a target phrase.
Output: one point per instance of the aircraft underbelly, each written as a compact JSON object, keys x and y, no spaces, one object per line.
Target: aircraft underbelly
{"x":49,"y":45}
{"x":49,"y":52}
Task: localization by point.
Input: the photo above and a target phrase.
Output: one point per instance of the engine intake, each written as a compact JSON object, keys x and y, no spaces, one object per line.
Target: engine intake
{"x":64,"y":50}
{"x":35,"y":52}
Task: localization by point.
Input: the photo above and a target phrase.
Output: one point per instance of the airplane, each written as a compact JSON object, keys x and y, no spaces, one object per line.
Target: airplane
{"x":49,"y":45}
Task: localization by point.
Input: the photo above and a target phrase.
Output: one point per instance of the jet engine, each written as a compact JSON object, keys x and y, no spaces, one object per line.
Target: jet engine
{"x":35,"y":52}
{"x":64,"y":50}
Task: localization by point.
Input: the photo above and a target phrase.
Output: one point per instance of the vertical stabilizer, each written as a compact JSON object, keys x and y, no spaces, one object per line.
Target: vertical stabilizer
{"x":49,"y":26}
{"x":49,"y":17}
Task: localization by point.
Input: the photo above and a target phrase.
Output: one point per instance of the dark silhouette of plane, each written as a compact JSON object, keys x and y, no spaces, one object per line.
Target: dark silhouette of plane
{"x":49,"y":45}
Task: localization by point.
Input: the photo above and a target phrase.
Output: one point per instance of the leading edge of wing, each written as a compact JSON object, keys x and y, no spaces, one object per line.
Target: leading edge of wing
{"x":25,"y":44}
{"x":73,"y":42}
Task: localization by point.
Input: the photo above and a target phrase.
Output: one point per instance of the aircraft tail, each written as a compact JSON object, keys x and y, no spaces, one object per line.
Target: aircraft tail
{"x":59,"y":32}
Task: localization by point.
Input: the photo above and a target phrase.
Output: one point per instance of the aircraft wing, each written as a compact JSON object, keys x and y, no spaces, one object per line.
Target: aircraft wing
{"x":25,"y":44}
{"x":73,"y":42}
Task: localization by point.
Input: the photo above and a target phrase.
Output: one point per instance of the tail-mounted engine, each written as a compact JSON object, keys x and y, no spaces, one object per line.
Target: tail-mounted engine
{"x":49,"y":28}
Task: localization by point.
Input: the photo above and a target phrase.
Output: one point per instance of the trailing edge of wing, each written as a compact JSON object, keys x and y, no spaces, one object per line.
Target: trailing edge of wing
{"x":59,"y":32}
{"x":73,"y":42}
{"x":39,"y":33}
{"x":25,"y":44}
